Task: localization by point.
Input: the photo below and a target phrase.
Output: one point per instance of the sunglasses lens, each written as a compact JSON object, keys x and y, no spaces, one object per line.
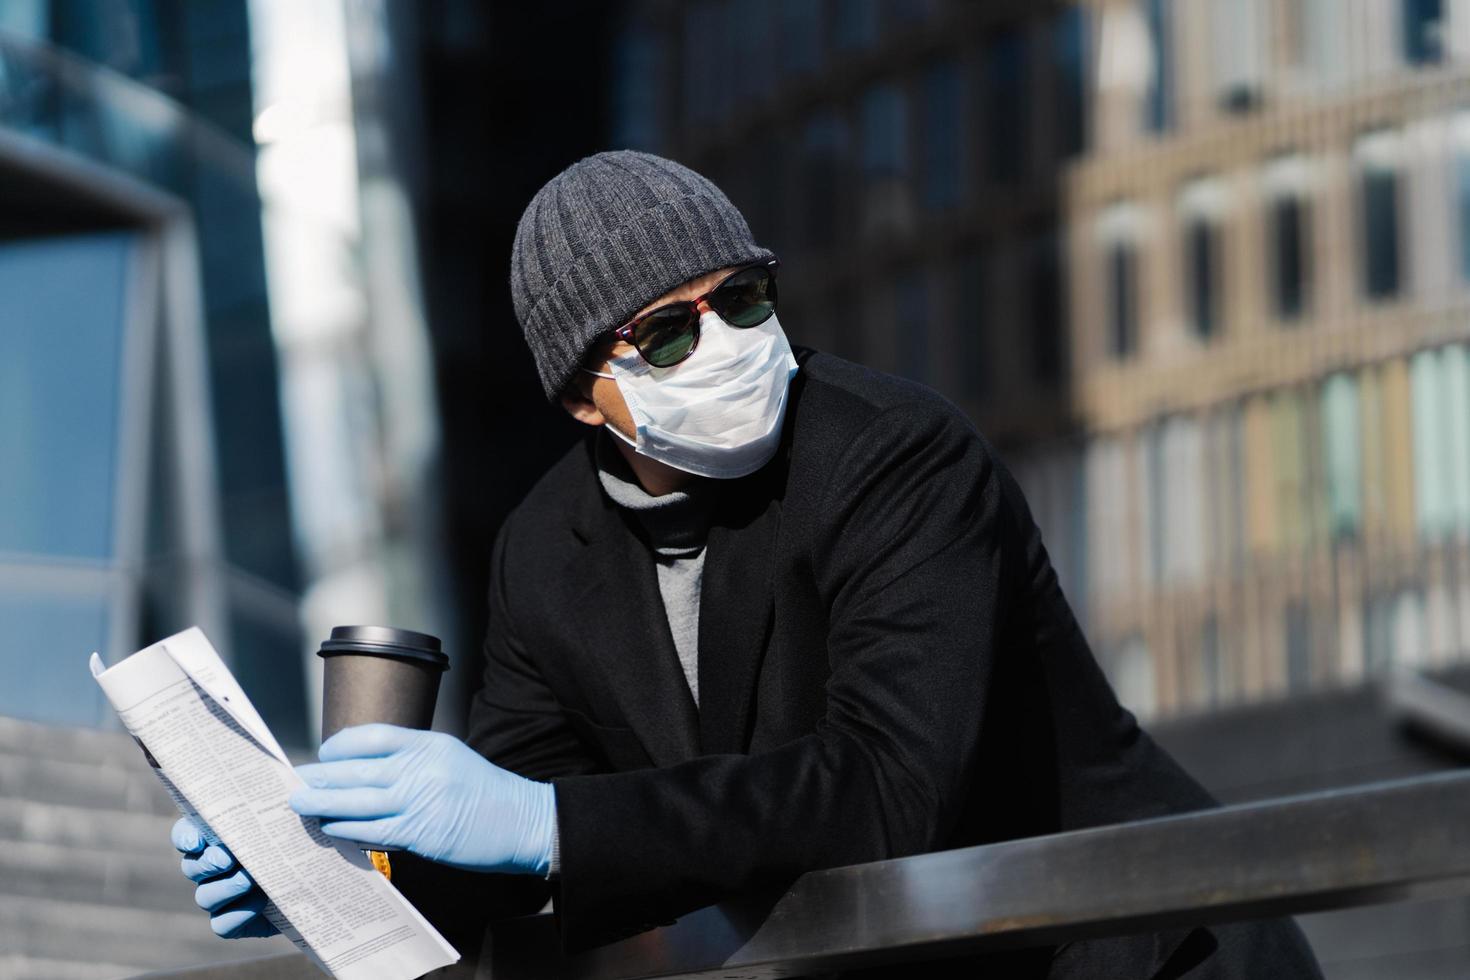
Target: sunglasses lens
{"x":665,"y":337}
{"x":746,"y":298}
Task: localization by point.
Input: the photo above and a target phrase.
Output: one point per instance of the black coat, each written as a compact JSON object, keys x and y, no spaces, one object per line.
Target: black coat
{"x":887,"y":666}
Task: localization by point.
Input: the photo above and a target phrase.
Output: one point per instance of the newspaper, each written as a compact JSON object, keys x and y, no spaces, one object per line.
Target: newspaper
{"x":224,"y":769}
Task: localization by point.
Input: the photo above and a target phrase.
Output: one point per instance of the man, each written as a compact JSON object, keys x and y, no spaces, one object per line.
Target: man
{"x":778,"y":612}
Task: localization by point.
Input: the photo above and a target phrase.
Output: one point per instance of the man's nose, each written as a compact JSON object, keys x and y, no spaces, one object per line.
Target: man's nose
{"x":702,"y":306}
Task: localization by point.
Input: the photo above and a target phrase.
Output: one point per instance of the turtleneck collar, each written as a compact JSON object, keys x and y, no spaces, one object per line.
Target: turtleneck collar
{"x":676,"y":523}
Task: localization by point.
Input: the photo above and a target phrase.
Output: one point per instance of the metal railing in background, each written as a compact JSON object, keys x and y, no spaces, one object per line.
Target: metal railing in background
{"x":1383,"y":843}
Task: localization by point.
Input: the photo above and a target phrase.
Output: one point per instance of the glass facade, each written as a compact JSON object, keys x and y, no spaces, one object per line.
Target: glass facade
{"x":139,"y":407}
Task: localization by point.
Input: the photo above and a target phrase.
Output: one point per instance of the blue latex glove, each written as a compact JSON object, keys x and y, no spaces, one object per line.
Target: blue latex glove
{"x":429,"y":793}
{"x":230,"y":896}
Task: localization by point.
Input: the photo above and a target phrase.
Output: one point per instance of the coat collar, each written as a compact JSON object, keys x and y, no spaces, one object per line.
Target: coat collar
{"x":626,"y":631}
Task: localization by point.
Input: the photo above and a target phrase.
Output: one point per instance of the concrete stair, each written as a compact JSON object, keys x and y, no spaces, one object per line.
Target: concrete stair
{"x":89,"y":884}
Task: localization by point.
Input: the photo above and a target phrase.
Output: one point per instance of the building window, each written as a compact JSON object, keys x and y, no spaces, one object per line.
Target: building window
{"x":1424,"y":27}
{"x":1202,"y":248}
{"x":701,"y":79}
{"x":854,"y":24}
{"x":1007,"y":92}
{"x":1287,"y":183}
{"x":1342,"y":438}
{"x":901,"y":12}
{"x":1118,"y":232}
{"x":885,"y":132}
{"x":1211,"y":661}
{"x":971,"y":290}
{"x":64,"y":402}
{"x":1122,"y":299}
{"x":1288,"y":256}
{"x":1046,"y":305}
{"x":800,"y":35}
{"x":1298,"y":647}
{"x":941,"y":148}
{"x":753,"y":36}
{"x":1378,"y":160}
{"x":1461,"y":169}
{"x":1202,"y":205}
{"x":1133,"y":676}
{"x":1069,"y":62}
{"x":911,"y":320}
{"x":825,"y":148}
{"x":637,"y":108}
{"x":1159,"y":104}
{"x":1239,"y":44}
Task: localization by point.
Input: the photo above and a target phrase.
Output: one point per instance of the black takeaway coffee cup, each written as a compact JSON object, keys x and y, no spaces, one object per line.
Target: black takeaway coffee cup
{"x":379,"y":673}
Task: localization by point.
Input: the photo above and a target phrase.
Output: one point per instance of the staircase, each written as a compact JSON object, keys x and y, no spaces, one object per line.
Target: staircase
{"x":89,"y":884}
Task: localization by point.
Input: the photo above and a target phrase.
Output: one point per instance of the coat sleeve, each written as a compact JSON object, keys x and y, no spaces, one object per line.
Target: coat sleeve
{"x":516,"y":722}
{"x":910,"y":565}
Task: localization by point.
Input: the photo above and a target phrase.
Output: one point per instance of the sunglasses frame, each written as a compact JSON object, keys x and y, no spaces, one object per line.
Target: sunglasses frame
{"x":626,"y":331}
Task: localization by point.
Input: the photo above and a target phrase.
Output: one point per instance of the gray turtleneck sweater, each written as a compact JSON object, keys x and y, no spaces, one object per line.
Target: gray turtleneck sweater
{"x":676,"y":524}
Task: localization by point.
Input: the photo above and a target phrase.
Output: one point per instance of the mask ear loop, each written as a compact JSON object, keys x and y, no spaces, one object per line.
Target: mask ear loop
{"x":596,"y":374}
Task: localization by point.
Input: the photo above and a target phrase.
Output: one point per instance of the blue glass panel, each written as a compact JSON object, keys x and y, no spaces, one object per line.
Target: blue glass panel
{"x":911,"y":316}
{"x":59,"y":388}
{"x":885,"y":132}
{"x":43,"y":657}
{"x":942,"y":122}
{"x":1069,"y":54}
{"x":854,"y":24}
{"x":637,"y":71}
{"x":1424,"y":27}
{"x":801,"y":36}
{"x":1462,"y":211}
{"x":754,"y":42}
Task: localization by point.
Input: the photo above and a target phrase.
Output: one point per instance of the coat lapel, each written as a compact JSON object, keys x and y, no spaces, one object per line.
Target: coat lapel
{"x":624,"y":630}
{"x":735,"y":604}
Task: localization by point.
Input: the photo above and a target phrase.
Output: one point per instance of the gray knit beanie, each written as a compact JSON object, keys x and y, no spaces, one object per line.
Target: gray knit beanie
{"x":603,"y":238}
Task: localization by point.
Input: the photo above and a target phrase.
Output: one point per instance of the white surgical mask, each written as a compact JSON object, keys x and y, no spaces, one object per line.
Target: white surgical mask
{"x":718,"y":412}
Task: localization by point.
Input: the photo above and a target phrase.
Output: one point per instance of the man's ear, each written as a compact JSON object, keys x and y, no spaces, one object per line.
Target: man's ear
{"x":576,"y":398}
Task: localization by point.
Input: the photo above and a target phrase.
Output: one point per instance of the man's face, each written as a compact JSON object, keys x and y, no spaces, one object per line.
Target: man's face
{"x":595,"y":400}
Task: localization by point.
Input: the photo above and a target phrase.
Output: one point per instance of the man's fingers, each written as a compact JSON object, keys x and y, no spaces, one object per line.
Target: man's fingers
{"x":243,"y":918}
{"x":355,"y":803}
{"x":349,"y":773}
{"x":186,"y":836}
{"x":214,"y":895}
{"x":366,"y":741}
{"x":381,"y":834}
{"x":212,"y":863}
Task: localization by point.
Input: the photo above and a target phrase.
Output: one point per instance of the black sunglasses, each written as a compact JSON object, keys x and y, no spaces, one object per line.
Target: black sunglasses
{"x":668,"y":334}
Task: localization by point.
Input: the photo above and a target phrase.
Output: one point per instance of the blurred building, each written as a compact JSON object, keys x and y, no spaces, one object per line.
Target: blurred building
{"x":144,"y":485}
{"x":140,"y":430}
{"x":1200,"y":269}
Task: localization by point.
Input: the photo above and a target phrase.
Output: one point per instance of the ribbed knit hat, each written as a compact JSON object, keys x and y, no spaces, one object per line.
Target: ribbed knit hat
{"x":606,"y":236}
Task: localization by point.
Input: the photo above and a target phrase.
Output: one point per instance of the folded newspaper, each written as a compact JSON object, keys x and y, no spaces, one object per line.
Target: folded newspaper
{"x":224,"y":769}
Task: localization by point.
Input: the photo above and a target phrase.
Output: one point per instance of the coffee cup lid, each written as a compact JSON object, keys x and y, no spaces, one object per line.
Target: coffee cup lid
{"x":385,"y":641}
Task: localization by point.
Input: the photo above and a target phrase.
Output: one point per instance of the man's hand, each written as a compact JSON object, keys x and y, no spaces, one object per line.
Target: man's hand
{"x":429,"y":793}
{"x":226,"y":891}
